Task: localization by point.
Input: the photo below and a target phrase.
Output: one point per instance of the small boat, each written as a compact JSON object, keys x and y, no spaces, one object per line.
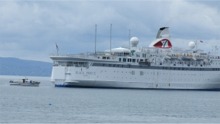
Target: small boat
{"x":24,"y":82}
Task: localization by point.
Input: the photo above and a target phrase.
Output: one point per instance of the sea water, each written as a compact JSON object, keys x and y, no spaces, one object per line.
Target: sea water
{"x":48,"y":104}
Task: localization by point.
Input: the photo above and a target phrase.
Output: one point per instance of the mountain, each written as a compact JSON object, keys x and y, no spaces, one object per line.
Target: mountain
{"x":15,"y":66}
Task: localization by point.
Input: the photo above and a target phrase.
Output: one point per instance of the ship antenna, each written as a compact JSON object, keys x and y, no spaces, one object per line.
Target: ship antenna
{"x":95,"y":36}
{"x":110,"y":38}
{"x":129,"y":37}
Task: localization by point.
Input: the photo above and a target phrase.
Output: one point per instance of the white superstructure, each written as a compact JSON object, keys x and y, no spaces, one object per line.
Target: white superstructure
{"x":155,"y":67}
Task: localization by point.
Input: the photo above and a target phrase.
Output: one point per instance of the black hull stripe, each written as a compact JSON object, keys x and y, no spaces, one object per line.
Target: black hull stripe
{"x":97,"y":87}
{"x":155,"y":67}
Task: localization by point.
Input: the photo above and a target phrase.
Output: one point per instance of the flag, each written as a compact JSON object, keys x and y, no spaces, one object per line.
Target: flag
{"x":57,"y":47}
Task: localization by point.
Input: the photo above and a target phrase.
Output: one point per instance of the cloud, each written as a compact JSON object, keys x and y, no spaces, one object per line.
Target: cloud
{"x":30,"y":29}
{"x":195,"y":18}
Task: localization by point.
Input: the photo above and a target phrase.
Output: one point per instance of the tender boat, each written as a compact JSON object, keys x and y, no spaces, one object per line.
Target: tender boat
{"x":24,"y":82}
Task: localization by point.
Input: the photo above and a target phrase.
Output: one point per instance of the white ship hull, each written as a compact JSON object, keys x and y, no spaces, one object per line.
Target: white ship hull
{"x":110,"y":77}
{"x":155,"y":67}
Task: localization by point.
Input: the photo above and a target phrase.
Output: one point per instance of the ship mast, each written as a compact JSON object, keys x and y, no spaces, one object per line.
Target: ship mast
{"x":129,"y":37}
{"x":110,"y":38}
{"x":95,"y":36}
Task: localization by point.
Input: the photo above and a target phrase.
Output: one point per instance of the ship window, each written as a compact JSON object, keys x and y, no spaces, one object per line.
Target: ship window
{"x":62,"y":63}
{"x":133,"y":60}
{"x":69,"y":64}
{"x":124,"y":59}
{"x":133,"y":72}
{"x":145,"y":60}
{"x":141,"y":73}
{"x":126,"y":54}
{"x":119,"y":59}
{"x":55,"y":63}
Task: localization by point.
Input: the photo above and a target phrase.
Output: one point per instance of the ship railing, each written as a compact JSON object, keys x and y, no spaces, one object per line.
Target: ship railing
{"x":73,"y":55}
{"x":84,"y":56}
{"x":98,"y":55}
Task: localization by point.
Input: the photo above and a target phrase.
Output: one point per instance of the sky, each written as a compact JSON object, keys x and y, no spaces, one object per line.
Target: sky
{"x":30,"y":29}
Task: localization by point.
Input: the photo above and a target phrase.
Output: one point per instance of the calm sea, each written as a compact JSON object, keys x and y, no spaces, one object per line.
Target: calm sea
{"x":47,"y":104}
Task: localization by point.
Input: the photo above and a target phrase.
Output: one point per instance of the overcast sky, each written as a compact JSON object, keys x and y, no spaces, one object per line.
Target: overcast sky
{"x":30,"y":29}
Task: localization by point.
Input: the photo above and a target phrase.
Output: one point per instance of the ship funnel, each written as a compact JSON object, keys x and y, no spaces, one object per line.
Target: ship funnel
{"x":163,"y":33}
{"x":162,"y":39}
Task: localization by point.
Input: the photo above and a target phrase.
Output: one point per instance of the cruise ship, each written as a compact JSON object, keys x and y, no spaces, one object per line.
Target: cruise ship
{"x":157,"y":66}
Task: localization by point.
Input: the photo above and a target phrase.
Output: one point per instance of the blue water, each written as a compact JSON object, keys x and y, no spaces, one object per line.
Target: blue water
{"x":47,"y":104}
